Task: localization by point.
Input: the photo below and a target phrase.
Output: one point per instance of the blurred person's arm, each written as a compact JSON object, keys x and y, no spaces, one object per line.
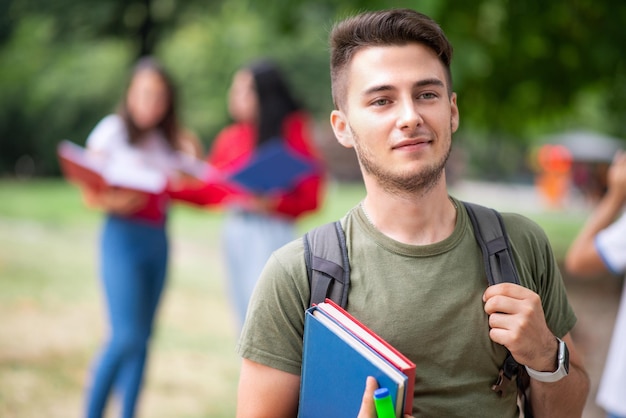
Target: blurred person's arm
{"x":189,"y":148}
{"x":189,"y":143}
{"x":309,"y":192}
{"x":306,"y":197}
{"x":113,"y":200}
{"x":582,"y":257}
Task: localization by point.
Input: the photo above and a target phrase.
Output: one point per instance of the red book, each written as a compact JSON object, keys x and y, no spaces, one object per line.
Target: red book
{"x":77,"y":167}
{"x":378,"y":344}
{"x":84,"y":168}
{"x":80,"y":166}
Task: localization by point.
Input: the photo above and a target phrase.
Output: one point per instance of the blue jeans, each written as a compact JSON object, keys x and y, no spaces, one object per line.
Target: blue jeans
{"x":133,"y":269}
{"x":248,"y":241}
{"x":611,"y":415}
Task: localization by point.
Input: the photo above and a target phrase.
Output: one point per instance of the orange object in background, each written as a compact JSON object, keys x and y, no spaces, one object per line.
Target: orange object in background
{"x":553,"y":180}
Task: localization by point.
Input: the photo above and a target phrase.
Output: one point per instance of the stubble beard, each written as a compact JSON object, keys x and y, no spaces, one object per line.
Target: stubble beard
{"x":407,"y":183}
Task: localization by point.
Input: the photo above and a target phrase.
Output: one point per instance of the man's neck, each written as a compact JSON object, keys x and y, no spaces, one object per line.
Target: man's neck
{"x":416,"y":219}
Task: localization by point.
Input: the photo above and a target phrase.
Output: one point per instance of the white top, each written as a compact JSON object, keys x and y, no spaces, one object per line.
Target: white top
{"x":611,"y":245}
{"x":146,"y":165}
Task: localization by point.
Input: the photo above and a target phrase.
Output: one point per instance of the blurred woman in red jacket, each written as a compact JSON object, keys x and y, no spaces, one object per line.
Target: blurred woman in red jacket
{"x":265,"y":113}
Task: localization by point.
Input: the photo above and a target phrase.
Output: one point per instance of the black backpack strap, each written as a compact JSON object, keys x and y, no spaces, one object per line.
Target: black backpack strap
{"x":499,"y":267}
{"x":328,"y":268}
{"x":494,"y":243}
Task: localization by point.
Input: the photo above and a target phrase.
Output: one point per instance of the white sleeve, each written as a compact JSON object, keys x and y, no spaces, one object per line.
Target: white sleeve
{"x":611,"y":245}
{"x":108,"y":135}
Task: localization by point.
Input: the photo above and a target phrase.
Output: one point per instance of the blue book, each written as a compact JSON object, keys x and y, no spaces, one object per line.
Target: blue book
{"x":335,"y":366}
{"x":273,"y":168}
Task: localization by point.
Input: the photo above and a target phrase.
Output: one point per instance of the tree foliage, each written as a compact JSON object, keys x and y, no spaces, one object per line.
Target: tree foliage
{"x":521,"y":69}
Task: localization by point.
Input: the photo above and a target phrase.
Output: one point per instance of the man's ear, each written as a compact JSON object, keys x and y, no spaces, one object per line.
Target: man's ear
{"x":341,"y":128}
{"x":454,"y":113}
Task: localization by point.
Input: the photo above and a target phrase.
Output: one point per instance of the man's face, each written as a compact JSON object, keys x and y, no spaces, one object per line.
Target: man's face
{"x":398,"y":115}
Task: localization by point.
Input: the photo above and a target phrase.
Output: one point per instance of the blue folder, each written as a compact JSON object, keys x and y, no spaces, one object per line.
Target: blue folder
{"x":273,"y":168}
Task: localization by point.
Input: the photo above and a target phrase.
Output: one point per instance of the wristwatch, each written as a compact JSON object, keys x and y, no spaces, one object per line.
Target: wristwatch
{"x":561,"y":371}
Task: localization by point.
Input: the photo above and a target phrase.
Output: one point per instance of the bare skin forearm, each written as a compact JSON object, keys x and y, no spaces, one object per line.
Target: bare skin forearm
{"x":565,"y":398}
{"x":604,"y":214}
{"x":582,"y":257}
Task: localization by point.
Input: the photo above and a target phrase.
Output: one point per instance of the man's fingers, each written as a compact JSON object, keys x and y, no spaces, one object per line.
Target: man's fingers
{"x":511,"y":290}
{"x":368,"y":409}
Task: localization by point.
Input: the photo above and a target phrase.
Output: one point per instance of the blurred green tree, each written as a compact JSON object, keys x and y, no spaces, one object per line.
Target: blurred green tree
{"x":521,"y":69}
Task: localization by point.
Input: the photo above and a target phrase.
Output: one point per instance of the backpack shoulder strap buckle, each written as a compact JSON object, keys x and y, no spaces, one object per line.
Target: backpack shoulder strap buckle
{"x":508,"y":370}
{"x":501,"y":384}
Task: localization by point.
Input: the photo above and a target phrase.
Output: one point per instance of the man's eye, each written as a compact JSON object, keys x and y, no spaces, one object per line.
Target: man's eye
{"x":427,"y":96}
{"x":380,"y":102}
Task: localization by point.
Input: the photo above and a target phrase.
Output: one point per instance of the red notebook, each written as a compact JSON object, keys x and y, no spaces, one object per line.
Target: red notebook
{"x":78,"y":165}
{"x":378,"y":344}
{"x":81,"y":167}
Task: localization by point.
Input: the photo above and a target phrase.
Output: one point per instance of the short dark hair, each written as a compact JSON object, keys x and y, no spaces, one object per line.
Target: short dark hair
{"x":381,"y":28}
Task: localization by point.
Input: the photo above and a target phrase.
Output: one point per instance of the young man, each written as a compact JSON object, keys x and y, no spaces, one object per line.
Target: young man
{"x":600,"y":248}
{"x":417,"y":277}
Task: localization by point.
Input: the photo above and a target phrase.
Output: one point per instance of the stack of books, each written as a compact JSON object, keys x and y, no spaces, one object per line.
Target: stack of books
{"x":339,"y":354}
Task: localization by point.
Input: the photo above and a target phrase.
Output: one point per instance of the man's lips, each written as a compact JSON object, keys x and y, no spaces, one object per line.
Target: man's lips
{"x":411,"y":143}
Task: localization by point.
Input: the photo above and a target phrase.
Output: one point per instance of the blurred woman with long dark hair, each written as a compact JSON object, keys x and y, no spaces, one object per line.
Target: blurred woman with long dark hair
{"x":264,"y":113}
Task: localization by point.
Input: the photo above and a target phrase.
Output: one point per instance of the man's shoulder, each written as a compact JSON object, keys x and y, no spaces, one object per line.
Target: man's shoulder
{"x":518,"y":224}
{"x":529,"y":242}
{"x":293,"y":248}
{"x":290,"y":256}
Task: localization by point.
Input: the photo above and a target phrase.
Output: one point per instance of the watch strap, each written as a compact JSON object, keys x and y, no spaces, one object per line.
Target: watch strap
{"x":561,"y":371}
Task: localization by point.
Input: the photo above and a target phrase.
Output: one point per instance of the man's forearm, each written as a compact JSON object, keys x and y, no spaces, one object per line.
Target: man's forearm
{"x":565,"y":398}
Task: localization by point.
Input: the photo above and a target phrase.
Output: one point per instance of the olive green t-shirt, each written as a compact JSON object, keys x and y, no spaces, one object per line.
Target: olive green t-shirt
{"x":424,"y":300}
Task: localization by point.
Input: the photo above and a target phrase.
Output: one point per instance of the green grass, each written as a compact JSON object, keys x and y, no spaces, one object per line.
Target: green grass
{"x":561,"y":228}
{"x":53,"y":320}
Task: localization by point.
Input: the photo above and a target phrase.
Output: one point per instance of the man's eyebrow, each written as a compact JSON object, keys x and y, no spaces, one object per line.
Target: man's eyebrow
{"x":429,"y":82}
{"x":388,"y":87}
{"x":378,"y":89}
